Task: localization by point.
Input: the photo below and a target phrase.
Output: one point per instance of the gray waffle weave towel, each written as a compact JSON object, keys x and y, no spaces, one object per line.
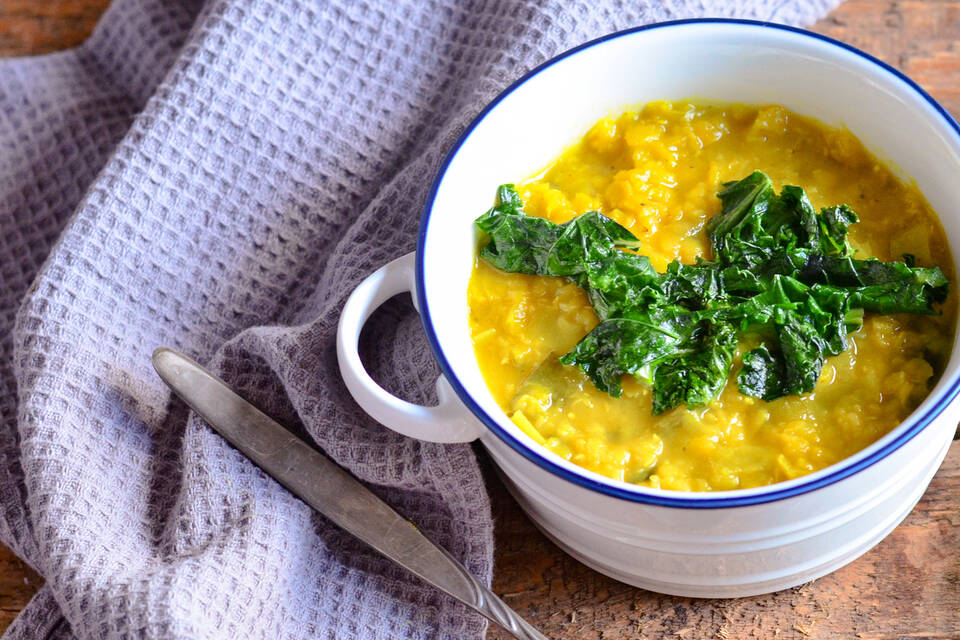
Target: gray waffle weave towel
{"x":218,"y":177}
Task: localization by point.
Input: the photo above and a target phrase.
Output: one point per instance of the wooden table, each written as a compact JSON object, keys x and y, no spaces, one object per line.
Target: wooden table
{"x":906,"y":587}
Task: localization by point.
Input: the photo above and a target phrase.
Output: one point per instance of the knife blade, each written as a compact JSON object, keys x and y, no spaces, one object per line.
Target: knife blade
{"x":328,"y":488}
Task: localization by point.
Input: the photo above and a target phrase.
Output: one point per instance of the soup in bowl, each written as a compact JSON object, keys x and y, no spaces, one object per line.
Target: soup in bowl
{"x":787,"y":523}
{"x":684,"y":415}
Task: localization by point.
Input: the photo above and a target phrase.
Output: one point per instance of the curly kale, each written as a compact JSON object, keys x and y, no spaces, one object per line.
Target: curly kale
{"x":780,"y":268}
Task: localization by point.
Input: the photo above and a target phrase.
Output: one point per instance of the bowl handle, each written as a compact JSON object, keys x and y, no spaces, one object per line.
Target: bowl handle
{"x":449,"y":421}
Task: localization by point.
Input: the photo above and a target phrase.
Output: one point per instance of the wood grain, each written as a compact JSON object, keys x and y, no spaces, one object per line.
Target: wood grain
{"x":906,"y":587}
{"x":919,"y":37}
{"x":29,"y":27}
{"x":18,"y":583}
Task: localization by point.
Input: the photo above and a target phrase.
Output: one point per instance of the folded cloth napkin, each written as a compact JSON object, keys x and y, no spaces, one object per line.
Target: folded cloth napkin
{"x":218,"y":177}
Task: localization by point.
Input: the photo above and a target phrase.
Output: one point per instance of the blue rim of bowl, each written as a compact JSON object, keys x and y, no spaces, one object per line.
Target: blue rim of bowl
{"x":541,"y":459}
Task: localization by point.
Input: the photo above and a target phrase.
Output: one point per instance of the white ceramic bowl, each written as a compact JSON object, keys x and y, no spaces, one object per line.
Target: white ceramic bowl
{"x":720,"y":544}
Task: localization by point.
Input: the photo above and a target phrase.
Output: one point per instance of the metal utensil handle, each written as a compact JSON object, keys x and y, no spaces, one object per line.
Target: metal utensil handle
{"x":328,"y":488}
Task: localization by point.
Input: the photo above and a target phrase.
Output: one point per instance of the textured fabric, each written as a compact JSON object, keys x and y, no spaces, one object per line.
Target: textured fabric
{"x":218,"y":177}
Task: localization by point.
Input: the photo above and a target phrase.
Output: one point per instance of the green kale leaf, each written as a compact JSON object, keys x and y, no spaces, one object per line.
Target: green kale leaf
{"x":780,"y":269}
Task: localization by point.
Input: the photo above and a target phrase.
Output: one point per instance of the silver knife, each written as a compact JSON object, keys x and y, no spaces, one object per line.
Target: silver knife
{"x":329,"y":489}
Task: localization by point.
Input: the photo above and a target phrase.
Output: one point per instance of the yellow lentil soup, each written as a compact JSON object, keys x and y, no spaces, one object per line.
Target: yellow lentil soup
{"x":657,"y":171}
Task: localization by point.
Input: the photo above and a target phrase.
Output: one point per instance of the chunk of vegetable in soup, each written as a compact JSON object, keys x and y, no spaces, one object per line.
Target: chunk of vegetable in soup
{"x":657,"y":173}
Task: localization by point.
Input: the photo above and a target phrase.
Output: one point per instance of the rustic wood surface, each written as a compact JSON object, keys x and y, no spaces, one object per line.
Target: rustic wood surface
{"x":30,"y":27}
{"x":906,"y":587}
